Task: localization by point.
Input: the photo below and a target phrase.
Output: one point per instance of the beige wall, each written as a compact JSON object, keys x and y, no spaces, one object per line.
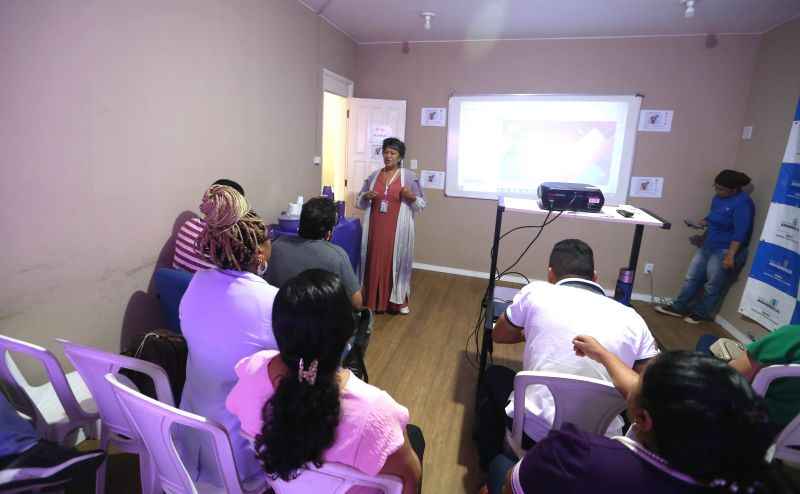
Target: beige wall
{"x":115,"y":116}
{"x":770,"y":110}
{"x":705,"y":83}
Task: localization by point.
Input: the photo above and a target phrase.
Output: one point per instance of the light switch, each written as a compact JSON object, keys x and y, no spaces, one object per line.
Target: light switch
{"x":413,"y":164}
{"x":747,"y":132}
{"x":317,"y":160}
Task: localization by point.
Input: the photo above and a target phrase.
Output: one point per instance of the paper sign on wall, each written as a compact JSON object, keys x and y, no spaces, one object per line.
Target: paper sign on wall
{"x":432,"y":180}
{"x":655,"y":120}
{"x":646,"y":186}
{"x":434,"y":117}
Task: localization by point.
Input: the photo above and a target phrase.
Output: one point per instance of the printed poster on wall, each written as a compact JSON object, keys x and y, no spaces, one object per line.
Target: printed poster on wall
{"x":771,"y":294}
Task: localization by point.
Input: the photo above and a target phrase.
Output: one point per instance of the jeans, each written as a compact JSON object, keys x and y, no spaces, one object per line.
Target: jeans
{"x":706,"y":272}
{"x":16,"y":434}
{"x":497,"y":473}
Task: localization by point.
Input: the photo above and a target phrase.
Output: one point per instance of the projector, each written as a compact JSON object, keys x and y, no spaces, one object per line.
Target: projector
{"x":561,"y":196}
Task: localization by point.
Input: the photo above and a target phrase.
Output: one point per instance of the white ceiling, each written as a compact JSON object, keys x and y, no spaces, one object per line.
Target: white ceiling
{"x":392,"y":21}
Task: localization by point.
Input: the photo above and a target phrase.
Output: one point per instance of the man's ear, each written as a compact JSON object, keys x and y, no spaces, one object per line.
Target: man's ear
{"x":327,"y":235}
{"x":594,"y":276}
{"x":551,"y":276}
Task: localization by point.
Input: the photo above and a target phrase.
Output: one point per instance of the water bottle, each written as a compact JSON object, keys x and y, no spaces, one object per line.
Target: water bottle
{"x":340,"y":205}
{"x":624,"y":286}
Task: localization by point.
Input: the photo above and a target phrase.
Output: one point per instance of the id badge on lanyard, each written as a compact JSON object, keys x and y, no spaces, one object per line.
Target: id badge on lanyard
{"x":384,"y":207}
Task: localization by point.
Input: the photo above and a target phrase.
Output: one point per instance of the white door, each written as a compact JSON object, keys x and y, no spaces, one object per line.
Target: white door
{"x":370,"y":121}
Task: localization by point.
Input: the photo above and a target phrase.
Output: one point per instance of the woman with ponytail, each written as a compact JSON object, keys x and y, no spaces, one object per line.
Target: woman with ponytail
{"x":226,"y":314}
{"x":698,"y":425}
{"x":300,"y":407}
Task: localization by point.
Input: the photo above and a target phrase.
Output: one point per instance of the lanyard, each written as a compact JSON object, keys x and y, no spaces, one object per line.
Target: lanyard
{"x":386,"y":190}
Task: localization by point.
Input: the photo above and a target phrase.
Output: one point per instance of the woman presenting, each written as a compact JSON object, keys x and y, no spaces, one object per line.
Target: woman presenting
{"x":390,"y":196}
{"x":729,"y":225}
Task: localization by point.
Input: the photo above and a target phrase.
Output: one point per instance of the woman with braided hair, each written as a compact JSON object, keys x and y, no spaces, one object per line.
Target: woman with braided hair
{"x":301,"y":407}
{"x":226,"y":314}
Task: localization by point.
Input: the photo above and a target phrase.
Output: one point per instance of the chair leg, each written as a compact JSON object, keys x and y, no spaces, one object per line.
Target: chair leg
{"x":147,"y":474}
{"x":100,"y":476}
{"x":360,"y":360}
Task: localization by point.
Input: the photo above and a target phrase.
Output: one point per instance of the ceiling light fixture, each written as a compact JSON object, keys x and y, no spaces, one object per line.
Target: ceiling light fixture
{"x":689,"y":13}
{"x":428,"y":15}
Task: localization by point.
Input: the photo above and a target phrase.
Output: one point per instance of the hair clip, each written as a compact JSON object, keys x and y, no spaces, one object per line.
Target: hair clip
{"x":309,"y":375}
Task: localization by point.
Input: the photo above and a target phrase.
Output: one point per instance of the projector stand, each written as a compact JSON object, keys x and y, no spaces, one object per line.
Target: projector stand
{"x":640,"y":219}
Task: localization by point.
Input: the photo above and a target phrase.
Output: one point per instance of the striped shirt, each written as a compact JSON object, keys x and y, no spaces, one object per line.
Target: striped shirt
{"x":186,"y":257}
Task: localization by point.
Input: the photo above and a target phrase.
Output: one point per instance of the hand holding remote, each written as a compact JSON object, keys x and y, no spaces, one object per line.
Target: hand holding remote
{"x":694,"y":224}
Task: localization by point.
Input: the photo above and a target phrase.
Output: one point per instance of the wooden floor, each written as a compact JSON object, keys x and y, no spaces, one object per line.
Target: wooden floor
{"x":427,"y":361}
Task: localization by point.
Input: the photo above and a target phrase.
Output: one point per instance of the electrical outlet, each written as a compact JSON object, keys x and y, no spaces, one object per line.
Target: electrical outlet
{"x":648,"y":268}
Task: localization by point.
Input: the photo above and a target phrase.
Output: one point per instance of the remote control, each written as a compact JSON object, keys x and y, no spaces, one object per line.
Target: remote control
{"x":625,"y":213}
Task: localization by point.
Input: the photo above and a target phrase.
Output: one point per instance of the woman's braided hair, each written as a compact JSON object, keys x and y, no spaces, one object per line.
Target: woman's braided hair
{"x":233,"y":232}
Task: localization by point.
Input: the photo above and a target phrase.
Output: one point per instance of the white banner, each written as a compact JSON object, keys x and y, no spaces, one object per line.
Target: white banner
{"x":771,"y":294}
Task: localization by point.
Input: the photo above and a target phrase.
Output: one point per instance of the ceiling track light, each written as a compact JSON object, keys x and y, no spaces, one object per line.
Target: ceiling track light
{"x":689,"y":12}
{"x":429,"y":15}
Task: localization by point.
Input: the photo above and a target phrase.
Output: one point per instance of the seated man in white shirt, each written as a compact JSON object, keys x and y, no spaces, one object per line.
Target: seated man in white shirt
{"x":186,"y":257}
{"x":546,"y":316}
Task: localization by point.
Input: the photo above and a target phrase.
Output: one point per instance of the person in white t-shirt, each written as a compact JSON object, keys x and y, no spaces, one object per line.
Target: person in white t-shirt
{"x":546,"y":316}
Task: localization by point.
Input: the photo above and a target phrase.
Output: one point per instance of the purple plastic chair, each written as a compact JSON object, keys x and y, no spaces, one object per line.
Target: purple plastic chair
{"x":155,"y":423}
{"x":335,"y":478}
{"x":589,"y":403}
{"x":93,"y":364}
{"x":787,"y":444}
{"x":57,"y":408}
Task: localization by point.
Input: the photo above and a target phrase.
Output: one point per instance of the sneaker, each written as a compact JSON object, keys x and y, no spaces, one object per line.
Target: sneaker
{"x":694,"y":319}
{"x":47,"y":464}
{"x":405,"y":310}
{"x":669,"y":310}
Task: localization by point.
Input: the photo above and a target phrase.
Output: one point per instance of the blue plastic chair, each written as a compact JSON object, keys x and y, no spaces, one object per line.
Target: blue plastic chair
{"x":172,"y":284}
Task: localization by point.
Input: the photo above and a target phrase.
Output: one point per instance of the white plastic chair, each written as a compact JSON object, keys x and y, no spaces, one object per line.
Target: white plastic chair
{"x":57,"y":408}
{"x":787,"y":445}
{"x":335,"y":478}
{"x":155,"y":423}
{"x":93,"y":364}
{"x":591,"y":404}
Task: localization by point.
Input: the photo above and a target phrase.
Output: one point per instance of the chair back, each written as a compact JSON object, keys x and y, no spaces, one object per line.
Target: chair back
{"x":93,"y":364}
{"x":769,"y":373}
{"x":591,"y":404}
{"x":53,"y":407}
{"x":172,"y":284}
{"x":787,"y":445}
{"x":115,"y":428}
{"x":155,"y":423}
{"x":335,"y":478}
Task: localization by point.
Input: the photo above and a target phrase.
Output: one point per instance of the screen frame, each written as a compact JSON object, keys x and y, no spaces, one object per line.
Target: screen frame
{"x":619,"y":196}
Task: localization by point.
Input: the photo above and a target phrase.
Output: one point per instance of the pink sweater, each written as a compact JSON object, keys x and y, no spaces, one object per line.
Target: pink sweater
{"x":370,"y":426}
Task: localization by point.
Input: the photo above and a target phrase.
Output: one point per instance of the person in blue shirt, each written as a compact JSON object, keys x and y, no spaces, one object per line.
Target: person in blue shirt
{"x":728,"y":225}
